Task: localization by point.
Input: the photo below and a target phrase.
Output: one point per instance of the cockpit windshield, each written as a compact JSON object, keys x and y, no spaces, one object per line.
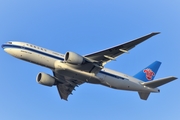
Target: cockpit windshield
{"x":9,"y":42}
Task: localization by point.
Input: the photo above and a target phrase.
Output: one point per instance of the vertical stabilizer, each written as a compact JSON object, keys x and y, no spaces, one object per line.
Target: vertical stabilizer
{"x":144,"y":95}
{"x":148,"y":73}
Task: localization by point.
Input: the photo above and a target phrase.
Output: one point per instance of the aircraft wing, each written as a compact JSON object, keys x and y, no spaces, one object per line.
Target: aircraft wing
{"x":113,"y":52}
{"x":65,"y":86}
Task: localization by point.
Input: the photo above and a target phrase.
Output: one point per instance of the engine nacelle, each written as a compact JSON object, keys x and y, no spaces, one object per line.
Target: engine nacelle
{"x":45,"y":79}
{"x":73,"y":58}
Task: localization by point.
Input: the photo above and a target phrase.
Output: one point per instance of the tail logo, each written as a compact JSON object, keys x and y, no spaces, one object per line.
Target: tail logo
{"x":149,"y":73}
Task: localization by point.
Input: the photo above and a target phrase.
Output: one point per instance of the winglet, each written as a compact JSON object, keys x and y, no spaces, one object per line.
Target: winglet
{"x":155,"y":33}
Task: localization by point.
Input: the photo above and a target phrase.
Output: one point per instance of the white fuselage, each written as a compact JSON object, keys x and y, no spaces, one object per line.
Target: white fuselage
{"x":54,"y":61}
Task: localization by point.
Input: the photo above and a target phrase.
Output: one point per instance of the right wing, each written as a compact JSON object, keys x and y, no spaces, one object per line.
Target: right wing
{"x":66,"y":86}
{"x":113,"y":52}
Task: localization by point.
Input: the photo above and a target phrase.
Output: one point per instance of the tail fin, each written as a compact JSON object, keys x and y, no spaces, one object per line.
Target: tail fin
{"x":144,"y":95}
{"x":148,"y":73}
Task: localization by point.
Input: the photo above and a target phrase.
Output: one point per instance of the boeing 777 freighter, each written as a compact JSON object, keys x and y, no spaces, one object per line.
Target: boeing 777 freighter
{"x":71,"y":69}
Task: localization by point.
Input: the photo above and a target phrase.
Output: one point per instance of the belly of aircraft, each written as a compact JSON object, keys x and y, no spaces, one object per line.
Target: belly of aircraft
{"x":65,"y":70}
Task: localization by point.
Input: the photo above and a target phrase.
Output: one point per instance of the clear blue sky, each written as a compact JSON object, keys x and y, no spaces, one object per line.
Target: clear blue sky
{"x":86,"y":26}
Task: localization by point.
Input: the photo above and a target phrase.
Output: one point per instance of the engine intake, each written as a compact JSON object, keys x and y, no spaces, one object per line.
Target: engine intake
{"x":45,"y":79}
{"x":74,"y":58}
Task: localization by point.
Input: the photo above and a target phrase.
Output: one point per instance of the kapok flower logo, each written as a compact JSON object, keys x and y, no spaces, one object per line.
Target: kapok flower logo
{"x":149,"y":73}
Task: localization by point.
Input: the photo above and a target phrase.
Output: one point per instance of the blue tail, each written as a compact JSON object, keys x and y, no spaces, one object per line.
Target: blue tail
{"x":148,"y":73}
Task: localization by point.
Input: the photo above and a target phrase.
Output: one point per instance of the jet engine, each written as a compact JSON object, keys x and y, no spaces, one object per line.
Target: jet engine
{"x":73,"y":58}
{"x":45,"y":79}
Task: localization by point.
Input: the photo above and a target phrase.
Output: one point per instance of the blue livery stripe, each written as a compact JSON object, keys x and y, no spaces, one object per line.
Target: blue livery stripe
{"x":112,"y":75}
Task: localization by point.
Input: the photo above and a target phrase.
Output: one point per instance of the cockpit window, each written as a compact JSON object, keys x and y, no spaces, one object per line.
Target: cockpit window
{"x":9,"y":42}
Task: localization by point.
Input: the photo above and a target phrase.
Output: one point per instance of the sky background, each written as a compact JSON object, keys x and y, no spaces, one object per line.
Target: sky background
{"x":86,"y":26}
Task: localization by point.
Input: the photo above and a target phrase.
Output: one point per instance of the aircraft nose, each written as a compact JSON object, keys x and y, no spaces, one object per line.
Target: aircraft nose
{"x":2,"y":46}
{"x":7,"y":49}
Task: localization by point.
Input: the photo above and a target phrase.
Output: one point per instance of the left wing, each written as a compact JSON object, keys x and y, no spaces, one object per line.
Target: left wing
{"x":113,"y":52}
{"x":65,"y":86}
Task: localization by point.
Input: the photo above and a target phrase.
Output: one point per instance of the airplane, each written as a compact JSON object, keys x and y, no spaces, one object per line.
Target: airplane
{"x":70,"y":70}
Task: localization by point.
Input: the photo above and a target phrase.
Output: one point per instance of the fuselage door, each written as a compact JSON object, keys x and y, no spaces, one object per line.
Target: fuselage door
{"x":23,"y":46}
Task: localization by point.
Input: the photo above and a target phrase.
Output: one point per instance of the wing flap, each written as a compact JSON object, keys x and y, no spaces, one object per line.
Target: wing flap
{"x":159,"y":82}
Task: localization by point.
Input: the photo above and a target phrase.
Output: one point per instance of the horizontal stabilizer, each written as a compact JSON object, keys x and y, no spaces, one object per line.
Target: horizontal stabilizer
{"x":159,"y":82}
{"x":144,"y":95}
